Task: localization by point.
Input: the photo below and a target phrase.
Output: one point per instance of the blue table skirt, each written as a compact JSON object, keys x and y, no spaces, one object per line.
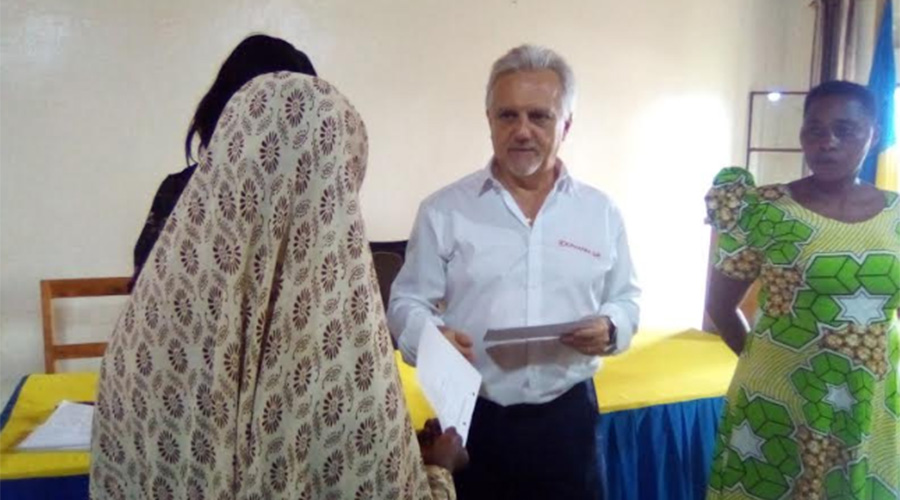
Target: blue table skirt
{"x":661,"y":452}
{"x":49,"y":488}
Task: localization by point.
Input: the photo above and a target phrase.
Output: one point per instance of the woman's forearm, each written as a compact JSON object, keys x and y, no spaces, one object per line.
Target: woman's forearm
{"x":733,"y":328}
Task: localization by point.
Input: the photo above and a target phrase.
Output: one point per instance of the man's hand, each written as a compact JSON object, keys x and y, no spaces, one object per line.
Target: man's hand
{"x":592,"y":340}
{"x":461,"y":341}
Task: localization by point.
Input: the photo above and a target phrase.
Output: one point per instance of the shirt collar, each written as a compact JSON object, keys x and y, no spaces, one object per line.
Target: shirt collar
{"x":564,"y":183}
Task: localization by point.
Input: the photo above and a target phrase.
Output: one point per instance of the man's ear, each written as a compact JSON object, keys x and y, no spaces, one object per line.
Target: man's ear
{"x":566,"y":127}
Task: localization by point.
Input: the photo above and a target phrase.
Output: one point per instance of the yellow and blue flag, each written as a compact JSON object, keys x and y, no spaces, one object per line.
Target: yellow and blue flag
{"x":880,"y":168}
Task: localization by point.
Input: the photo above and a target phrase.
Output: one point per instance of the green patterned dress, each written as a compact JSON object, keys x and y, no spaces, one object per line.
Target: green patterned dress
{"x":813,"y":410}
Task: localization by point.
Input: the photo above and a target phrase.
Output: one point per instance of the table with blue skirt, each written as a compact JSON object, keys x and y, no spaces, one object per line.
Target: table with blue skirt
{"x":659,"y":405}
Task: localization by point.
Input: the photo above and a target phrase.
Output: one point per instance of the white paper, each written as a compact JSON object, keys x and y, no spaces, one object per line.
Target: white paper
{"x":67,"y":429}
{"x":539,"y":332}
{"x":449,"y":381}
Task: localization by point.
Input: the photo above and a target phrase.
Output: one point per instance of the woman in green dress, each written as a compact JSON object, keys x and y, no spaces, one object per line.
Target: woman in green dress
{"x":813,"y":410}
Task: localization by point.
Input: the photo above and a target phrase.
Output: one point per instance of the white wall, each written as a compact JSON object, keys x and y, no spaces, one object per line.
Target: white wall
{"x":97,"y":94}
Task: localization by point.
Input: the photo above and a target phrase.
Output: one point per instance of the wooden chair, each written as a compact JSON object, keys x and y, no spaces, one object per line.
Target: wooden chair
{"x":388,"y":257}
{"x":72,"y":288}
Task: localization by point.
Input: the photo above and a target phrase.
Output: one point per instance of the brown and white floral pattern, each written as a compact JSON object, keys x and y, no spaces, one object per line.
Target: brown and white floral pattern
{"x":236,"y":369}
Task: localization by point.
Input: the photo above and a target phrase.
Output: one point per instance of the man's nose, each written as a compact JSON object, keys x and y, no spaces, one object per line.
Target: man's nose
{"x":522,"y":130}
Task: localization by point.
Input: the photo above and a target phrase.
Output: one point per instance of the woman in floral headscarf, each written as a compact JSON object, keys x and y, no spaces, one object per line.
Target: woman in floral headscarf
{"x":253,"y":360}
{"x":255,"y":55}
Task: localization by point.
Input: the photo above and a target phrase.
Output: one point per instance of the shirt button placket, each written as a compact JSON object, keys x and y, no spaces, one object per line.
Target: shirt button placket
{"x":533,"y":293}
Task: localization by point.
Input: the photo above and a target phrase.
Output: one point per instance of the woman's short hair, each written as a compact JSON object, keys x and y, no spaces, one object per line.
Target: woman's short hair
{"x":842,"y":88}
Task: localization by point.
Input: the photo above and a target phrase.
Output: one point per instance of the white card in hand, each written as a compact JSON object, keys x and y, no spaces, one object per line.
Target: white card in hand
{"x":538,"y":332}
{"x":449,"y":381}
{"x":67,"y":429}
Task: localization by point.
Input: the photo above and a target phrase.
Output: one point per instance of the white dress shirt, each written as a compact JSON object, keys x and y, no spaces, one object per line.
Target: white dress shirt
{"x":473,"y":249}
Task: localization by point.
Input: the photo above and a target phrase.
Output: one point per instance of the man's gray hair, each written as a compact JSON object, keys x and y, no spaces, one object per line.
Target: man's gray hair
{"x":535,"y":58}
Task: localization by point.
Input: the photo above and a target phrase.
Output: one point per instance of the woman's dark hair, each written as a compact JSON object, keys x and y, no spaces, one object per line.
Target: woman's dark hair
{"x":256,"y":55}
{"x":842,"y":88}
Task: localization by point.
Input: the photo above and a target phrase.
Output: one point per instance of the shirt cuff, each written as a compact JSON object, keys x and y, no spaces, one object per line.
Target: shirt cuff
{"x":408,"y":343}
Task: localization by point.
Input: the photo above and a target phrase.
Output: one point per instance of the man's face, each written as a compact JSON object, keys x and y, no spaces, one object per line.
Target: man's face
{"x":527,"y":122}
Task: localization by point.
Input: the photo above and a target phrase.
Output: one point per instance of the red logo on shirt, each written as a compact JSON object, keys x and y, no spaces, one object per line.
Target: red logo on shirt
{"x":569,"y":244}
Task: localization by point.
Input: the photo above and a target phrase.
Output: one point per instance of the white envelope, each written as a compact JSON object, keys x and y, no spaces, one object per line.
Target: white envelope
{"x":538,"y":332}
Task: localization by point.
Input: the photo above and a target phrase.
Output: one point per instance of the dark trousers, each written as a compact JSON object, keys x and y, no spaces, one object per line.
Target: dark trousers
{"x":534,"y":451}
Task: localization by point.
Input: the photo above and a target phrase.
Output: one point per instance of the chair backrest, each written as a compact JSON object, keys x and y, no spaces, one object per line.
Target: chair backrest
{"x":72,"y":288}
{"x":388,"y":257}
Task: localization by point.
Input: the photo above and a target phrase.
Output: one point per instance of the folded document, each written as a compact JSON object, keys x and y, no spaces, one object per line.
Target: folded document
{"x":67,"y":429}
{"x":449,"y":381}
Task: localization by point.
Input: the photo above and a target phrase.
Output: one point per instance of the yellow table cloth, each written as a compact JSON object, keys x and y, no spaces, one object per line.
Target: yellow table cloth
{"x":660,"y":368}
{"x":37,"y":399}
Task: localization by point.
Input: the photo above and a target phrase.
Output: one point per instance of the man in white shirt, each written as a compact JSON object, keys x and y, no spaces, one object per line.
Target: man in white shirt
{"x":522,"y":243}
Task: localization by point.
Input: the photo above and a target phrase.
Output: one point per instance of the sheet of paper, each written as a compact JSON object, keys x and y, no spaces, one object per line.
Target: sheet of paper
{"x":67,"y":429}
{"x":449,"y":381}
{"x":539,"y":332}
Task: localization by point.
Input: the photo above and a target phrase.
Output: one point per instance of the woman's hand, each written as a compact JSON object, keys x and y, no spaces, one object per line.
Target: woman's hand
{"x":443,"y":449}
